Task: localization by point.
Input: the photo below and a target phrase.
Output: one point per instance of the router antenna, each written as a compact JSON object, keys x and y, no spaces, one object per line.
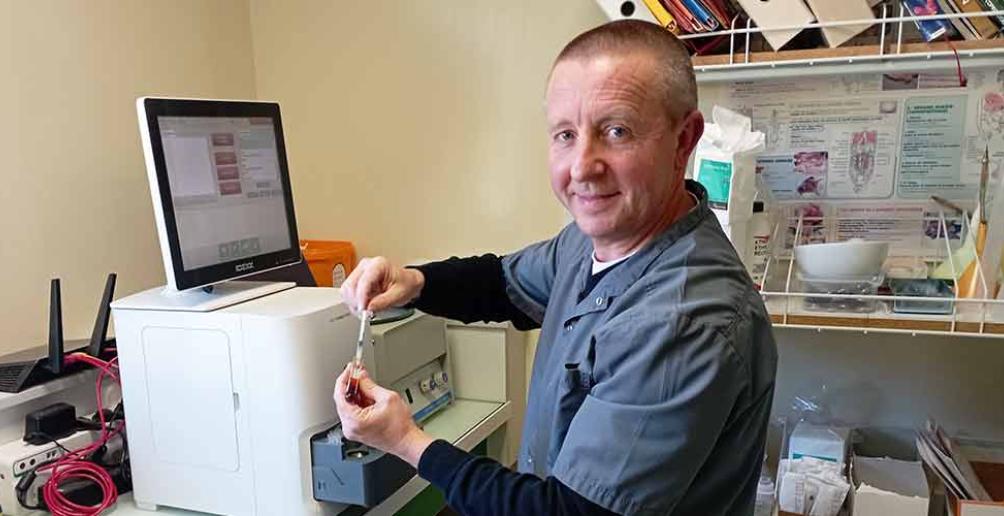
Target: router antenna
{"x":99,"y":336}
{"x":55,"y":328}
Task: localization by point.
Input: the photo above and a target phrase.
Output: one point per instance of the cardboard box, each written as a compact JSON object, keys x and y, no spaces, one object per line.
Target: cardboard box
{"x":991,"y":475}
{"x":887,"y":487}
{"x":778,"y":13}
{"x":844,"y":10}
{"x":987,"y":459}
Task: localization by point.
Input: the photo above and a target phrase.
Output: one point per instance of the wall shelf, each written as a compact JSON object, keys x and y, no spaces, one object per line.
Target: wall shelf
{"x":789,"y":304}
{"x":888,"y":50}
{"x":913,"y":57}
{"x":885,"y":323}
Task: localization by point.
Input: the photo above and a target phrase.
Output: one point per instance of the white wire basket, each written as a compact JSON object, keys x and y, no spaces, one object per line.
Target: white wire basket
{"x":791,"y":304}
{"x":740,"y":58}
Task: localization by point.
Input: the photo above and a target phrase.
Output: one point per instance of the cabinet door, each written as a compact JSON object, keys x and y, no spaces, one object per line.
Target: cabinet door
{"x":478,"y":357}
{"x":489,"y":363}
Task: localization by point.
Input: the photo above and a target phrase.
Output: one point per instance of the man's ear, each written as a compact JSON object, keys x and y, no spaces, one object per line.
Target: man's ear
{"x":691,"y":129}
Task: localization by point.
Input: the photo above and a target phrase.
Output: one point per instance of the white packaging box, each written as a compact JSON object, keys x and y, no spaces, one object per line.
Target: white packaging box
{"x":819,"y":441}
{"x":889,"y":487}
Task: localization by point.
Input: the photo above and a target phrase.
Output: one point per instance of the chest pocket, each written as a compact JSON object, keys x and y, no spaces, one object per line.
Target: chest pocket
{"x":576,"y":381}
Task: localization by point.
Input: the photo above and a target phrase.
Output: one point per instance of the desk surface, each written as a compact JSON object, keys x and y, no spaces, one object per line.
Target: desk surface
{"x":465,"y":424}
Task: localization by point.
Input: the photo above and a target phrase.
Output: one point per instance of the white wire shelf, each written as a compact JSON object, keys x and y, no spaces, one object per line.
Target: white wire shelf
{"x":889,"y":55}
{"x":791,"y":305}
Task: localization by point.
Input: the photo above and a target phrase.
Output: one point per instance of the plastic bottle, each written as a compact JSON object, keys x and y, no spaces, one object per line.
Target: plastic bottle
{"x":760,"y":233}
{"x":764,"y":496}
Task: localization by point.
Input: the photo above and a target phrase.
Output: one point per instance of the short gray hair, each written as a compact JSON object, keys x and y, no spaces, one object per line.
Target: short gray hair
{"x":675,"y":74}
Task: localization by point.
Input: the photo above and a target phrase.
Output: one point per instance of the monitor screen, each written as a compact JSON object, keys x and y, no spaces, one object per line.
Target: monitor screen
{"x":222,"y":186}
{"x":225,"y":188}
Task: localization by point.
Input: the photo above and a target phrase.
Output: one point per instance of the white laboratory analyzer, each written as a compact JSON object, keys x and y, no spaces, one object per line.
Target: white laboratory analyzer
{"x":227,"y":384}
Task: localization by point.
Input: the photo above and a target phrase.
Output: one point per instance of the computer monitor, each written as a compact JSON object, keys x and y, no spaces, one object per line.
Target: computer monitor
{"x":220,"y":187}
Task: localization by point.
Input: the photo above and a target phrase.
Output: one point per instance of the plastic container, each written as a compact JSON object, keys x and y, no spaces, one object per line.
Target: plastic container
{"x":764,"y":496}
{"x":330,"y":261}
{"x":922,"y":288}
{"x":903,"y":267}
{"x":760,"y":233}
{"x":861,"y":286}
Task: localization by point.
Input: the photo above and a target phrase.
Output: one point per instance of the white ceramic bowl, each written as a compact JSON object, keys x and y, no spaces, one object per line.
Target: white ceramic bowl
{"x":842,"y":260}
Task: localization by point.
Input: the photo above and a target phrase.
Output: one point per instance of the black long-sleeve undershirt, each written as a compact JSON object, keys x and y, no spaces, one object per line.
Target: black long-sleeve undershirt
{"x":469,"y":290}
{"x":477,"y":485}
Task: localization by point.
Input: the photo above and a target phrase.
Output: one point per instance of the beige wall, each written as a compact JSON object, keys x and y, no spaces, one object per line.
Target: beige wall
{"x":75,"y":201}
{"x":415,"y":129}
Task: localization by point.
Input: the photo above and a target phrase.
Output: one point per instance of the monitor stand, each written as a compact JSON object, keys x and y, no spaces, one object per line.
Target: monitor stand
{"x":219,"y":296}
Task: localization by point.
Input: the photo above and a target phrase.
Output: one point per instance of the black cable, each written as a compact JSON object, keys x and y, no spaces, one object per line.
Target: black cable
{"x":84,"y":423}
{"x":94,"y":421}
{"x":21,"y":489}
{"x":119,"y":412}
{"x":51,"y":439}
{"x":23,"y":485}
{"x":123,"y":466}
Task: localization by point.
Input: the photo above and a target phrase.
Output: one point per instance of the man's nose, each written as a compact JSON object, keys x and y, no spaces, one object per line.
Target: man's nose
{"x":589,"y":162}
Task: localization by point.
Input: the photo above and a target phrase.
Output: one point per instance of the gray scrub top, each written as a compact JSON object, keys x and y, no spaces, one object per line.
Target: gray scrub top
{"x":652,"y":395}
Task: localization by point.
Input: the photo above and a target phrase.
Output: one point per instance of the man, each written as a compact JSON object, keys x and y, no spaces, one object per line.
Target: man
{"x":654,"y":373}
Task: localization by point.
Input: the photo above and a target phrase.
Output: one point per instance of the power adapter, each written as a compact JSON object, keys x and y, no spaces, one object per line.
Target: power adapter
{"x":47,"y":424}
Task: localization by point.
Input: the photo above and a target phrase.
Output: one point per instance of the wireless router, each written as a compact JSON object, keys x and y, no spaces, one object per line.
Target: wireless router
{"x":40,"y":364}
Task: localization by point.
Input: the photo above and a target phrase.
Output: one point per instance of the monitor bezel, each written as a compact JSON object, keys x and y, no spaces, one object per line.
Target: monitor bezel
{"x":149,"y":110}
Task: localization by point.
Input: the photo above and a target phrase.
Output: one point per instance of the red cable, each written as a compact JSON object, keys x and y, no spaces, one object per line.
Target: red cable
{"x":59,"y":505}
{"x":76,"y":465}
{"x":701,"y":50}
{"x":958,"y":63}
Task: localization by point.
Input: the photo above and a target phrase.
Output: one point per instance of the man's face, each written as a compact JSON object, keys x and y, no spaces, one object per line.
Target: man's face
{"x":614,"y":156}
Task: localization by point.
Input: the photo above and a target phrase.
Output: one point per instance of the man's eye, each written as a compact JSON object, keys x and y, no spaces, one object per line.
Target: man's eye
{"x":617,"y":132}
{"x":564,"y":136}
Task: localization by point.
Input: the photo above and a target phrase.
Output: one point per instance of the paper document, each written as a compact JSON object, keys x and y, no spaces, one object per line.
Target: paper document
{"x":943,"y":456}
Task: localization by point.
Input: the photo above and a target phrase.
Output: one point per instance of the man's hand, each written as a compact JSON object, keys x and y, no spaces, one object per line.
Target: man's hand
{"x":375,"y":284}
{"x":382,"y":421}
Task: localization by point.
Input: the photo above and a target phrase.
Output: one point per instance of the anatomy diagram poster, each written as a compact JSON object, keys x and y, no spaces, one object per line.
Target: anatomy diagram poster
{"x":866,"y":152}
{"x":875,"y":136}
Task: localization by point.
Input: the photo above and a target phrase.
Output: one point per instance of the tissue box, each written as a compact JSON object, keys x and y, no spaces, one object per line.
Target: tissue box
{"x":822,"y":442}
{"x":812,"y":486}
{"x":888,"y":486}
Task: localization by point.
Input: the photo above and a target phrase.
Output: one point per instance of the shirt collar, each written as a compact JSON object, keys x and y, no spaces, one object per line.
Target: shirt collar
{"x":599,"y":266}
{"x":628,"y":272}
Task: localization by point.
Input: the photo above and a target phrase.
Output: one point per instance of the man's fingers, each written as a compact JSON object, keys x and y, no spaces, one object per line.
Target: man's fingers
{"x":383,"y":301}
{"x":356,"y":286}
{"x":368,"y":386}
{"x":349,"y":296}
{"x":344,"y":408}
{"x":342,"y":382}
{"x":375,"y":392}
{"x":372,"y":390}
{"x":369,"y":389}
{"x":351,"y":284}
{"x":370,"y":284}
